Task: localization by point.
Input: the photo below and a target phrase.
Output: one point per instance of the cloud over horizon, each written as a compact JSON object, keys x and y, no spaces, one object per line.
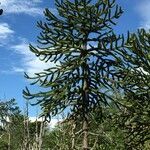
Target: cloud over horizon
{"x":52,"y":124}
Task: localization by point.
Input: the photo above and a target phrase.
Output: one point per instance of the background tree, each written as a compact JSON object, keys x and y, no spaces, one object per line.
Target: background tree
{"x":82,"y":44}
{"x":9,"y":114}
{"x":104,"y":133}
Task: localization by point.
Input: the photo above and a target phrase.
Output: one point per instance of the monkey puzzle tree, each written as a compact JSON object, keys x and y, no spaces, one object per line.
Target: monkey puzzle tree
{"x":135,"y":114}
{"x":81,"y":42}
{"x":138,"y":58}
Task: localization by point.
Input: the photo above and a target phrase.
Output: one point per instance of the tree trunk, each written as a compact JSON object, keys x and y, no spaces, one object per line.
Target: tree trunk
{"x":27,"y":126}
{"x":42,"y":128}
{"x":9,"y":141}
{"x":85,"y":96}
{"x":85,"y":135}
{"x":73,"y":136}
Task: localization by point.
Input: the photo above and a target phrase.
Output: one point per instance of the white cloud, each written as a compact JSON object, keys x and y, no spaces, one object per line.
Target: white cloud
{"x":30,"y":63}
{"x":5,"y":32}
{"x":29,"y":7}
{"x":143,"y":9}
{"x":52,"y":123}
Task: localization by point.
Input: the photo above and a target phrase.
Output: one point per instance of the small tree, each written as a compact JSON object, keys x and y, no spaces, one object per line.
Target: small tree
{"x":81,"y":41}
{"x":11,"y":129}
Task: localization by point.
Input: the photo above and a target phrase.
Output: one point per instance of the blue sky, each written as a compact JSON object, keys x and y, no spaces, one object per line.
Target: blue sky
{"x":18,"y":29}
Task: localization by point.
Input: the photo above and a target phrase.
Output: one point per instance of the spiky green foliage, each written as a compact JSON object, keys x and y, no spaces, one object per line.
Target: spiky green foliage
{"x":139,"y":46}
{"x":134,"y":113}
{"x":138,"y":58}
{"x":7,"y":109}
{"x":81,"y":41}
{"x":133,"y":118}
{"x":11,"y":124}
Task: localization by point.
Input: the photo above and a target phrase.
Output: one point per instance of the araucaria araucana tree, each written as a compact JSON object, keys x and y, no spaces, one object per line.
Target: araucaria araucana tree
{"x":81,"y":41}
{"x":134,"y":116}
